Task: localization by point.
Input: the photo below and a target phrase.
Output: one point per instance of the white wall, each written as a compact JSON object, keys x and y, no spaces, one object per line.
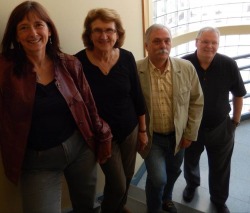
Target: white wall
{"x":68,"y":17}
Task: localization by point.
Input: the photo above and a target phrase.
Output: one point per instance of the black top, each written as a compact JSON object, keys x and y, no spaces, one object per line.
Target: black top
{"x":118,"y":95}
{"x":52,"y":121}
{"x":221,"y":77}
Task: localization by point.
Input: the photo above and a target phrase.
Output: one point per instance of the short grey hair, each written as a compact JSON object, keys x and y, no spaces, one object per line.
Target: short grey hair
{"x":155,"y":27}
{"x":208,"y":29}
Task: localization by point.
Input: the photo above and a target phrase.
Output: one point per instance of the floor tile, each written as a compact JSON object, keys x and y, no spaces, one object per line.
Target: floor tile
{"x":239,"y":195}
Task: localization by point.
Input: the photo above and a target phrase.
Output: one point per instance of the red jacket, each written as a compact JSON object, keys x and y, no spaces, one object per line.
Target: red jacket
{"x":16,"y":103}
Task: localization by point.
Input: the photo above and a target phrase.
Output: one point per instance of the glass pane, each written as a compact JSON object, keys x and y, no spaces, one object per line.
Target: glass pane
{"x":183,"y":16}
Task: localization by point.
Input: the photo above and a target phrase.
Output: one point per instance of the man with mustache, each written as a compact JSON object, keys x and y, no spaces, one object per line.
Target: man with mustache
{"x":174,"y":102}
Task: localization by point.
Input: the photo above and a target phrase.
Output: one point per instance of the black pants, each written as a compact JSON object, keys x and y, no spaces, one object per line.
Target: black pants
{"x":219,"y":143}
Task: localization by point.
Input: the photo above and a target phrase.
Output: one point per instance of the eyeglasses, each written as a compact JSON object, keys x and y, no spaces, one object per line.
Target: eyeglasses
{"x":205,"y":42}
{"x":108,"y":31}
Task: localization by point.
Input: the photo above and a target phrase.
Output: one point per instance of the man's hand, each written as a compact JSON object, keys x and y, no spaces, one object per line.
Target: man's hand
{"x":185,"y":143}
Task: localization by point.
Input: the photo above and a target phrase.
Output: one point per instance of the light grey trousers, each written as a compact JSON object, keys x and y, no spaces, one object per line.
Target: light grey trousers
{"x":41,"y":179}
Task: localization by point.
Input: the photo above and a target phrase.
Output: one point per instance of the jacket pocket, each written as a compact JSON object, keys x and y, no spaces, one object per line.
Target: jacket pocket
{"x":184,"y":95}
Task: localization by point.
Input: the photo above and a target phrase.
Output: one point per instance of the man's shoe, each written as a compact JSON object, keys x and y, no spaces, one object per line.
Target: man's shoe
{"x":169,"y":206}
{"x":221,"y":208}
{"x":188,"y":194}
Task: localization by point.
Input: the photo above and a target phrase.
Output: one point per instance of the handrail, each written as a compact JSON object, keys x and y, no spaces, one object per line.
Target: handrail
{"x":247,"y":82}
{"x":244,"y":67}
{"x":241,"y":56}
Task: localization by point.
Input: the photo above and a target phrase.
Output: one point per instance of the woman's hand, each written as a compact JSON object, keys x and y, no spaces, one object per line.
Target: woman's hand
{"x":142,"y":140}
{"x":103,"y":152}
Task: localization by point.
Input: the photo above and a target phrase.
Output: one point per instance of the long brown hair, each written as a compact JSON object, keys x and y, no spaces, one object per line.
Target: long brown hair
{"x":11,"y":48}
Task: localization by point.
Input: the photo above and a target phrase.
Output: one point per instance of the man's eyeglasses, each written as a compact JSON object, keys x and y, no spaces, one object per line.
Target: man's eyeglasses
{"x":205,"y":42}
{"x":108,"y":31}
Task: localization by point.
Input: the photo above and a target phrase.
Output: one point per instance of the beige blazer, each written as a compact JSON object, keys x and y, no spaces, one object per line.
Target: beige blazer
{"x":188,"y":100}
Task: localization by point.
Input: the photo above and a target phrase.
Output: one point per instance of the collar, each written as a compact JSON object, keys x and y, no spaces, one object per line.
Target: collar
{"x":167,"y":69}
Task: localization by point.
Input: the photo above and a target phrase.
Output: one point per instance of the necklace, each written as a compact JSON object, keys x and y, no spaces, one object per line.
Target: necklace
{"x":105,"y":64}
{"x":105,"y":67}
{"x":44,"y":75}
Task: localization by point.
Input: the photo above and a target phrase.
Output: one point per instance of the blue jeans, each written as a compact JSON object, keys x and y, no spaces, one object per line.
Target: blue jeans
{"x":41,"y":179}
{"x":163,"y":169}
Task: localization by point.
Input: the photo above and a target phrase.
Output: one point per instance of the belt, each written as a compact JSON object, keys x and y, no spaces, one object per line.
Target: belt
{"x":164,"y":134}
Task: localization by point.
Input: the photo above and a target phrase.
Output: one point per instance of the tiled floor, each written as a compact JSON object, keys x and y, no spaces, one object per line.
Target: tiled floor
{"x":239,"y":196}
{"x":137,"y":202}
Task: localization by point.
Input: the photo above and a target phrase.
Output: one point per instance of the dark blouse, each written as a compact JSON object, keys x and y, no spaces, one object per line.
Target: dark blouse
{"x":118,"y":95}
{"x":52,"y":121}
{"x":221,"y":77}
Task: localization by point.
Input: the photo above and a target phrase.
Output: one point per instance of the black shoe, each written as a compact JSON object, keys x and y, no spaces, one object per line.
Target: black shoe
{"x":188,"y":194}
{"x":221,"y":208}
{"x":169,"y":206}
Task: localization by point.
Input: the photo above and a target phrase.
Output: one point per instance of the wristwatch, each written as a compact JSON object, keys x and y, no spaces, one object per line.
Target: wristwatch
{"x":235,"y":123}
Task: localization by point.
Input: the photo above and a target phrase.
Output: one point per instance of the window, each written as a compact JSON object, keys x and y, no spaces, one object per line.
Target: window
{"x":185,"y":16}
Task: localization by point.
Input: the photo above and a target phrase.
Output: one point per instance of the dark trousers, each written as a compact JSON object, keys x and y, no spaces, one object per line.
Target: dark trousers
{"x":219,"y":143}
{"x":119,"y":171}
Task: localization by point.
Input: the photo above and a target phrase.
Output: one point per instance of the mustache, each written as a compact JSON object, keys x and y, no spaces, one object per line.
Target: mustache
{"x":161,"y":51}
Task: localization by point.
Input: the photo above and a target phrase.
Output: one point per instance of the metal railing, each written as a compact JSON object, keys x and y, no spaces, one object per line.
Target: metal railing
{"x":246,"y":102}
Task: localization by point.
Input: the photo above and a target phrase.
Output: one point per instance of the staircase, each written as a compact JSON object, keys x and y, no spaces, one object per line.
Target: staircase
{"x":137,"y":202}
